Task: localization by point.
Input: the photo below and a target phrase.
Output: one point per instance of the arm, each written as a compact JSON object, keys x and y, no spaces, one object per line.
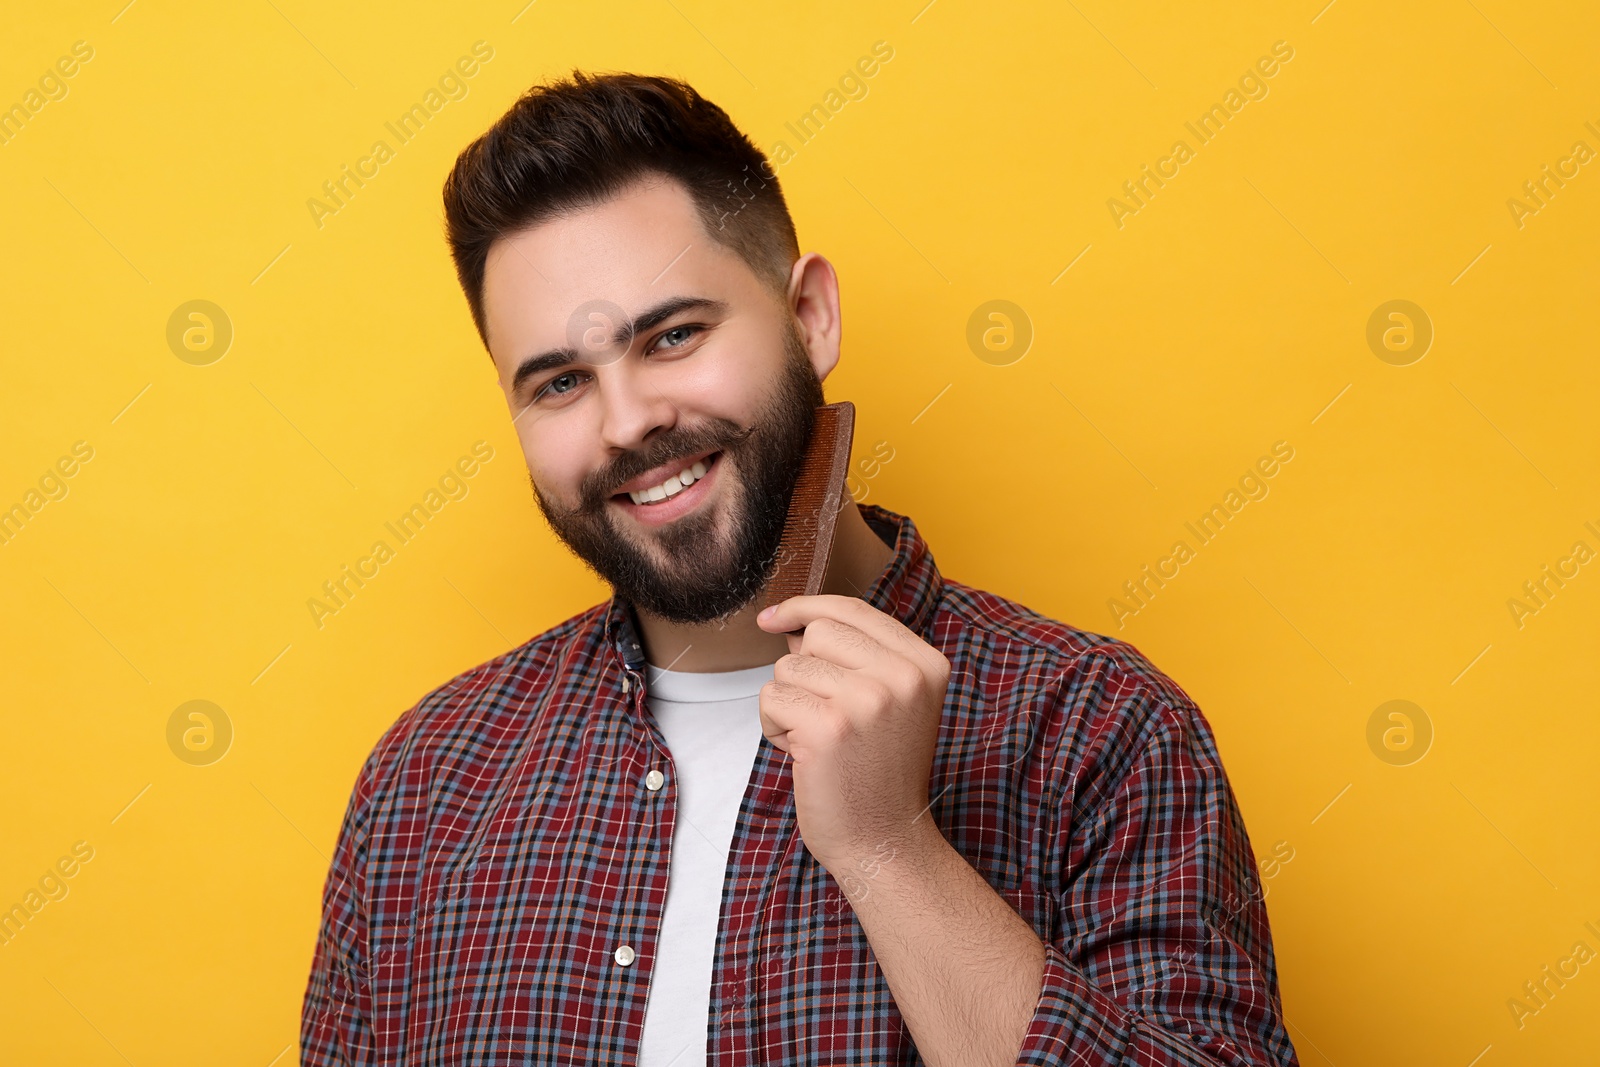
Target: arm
{"x":1159,"y":952}
{"x":963,"y":966}
{"x":336,"y":1018}
{"x":1161,"y":956}
{"x":1162,"y":953}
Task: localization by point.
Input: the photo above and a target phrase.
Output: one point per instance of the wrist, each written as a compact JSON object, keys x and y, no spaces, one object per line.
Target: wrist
{"x":920,"y":847}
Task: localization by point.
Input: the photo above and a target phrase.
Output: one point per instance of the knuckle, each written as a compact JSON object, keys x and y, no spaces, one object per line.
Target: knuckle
{"x":907,"y":676}
{"x":793,"y":695}
{"x":839,"y":729}
{"x":800,"y":666}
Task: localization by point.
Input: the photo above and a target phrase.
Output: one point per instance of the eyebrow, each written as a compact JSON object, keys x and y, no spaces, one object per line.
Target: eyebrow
{"x":645,"y":321}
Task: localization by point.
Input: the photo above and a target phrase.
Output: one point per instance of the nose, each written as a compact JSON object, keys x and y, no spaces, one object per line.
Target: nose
{"x":632,"y":409}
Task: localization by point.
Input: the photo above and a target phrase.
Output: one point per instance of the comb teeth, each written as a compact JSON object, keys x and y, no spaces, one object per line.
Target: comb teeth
{"x":807,"y":540}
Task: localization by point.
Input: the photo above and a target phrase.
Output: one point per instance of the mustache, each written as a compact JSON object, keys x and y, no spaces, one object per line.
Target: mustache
{"x":603,"y":484}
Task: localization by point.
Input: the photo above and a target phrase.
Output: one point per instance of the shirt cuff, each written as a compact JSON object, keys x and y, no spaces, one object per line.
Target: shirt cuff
{"x":1076,"y":1024}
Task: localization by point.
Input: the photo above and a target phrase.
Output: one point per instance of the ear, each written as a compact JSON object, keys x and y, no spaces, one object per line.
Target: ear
{"x":814,"y":300}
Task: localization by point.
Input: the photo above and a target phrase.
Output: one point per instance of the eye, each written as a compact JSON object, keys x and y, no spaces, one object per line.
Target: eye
{"x":552,"y":385}
{"x":684,"y":332}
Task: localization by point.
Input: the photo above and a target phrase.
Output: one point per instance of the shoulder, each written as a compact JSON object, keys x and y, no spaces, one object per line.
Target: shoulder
{"x":1096,"y":701}
{"x":982,"y":625}
{"x":477,"y":708}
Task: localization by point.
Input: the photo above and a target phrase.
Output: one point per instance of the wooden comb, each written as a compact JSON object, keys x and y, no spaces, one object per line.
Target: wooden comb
{"x":807,"y":540}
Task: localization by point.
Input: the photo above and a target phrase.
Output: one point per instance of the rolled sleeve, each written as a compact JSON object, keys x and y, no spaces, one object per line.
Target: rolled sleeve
{"x":1076,"y":1023}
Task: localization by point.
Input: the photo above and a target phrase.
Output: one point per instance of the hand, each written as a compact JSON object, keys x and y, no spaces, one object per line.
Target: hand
{"x":856,"y":704}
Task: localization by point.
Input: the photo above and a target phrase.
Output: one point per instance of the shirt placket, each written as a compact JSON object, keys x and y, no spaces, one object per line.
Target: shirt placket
{"x":652,"y":834}
{"x":765,"y":825}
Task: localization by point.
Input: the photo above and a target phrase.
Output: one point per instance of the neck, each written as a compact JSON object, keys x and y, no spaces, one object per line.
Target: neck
{"x":857,"y":559}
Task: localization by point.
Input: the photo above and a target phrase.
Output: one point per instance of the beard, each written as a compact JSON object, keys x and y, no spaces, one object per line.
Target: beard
{"x":694,"y":576}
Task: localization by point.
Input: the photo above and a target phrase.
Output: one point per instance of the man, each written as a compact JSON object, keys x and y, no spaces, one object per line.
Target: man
{"x":932,"y":826}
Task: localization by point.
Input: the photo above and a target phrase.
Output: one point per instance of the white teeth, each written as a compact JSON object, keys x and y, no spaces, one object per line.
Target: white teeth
{"x":675,"y":484}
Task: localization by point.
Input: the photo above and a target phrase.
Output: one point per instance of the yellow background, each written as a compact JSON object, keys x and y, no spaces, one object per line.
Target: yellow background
{"x":1229,"y":313}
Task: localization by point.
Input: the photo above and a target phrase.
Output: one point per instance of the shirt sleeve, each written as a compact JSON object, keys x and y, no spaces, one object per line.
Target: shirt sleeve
{"x":336,"y":1017}
{"x":1160,"y":953}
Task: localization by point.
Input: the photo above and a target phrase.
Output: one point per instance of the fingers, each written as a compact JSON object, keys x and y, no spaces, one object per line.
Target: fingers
{"x":783,"y":706}
{"x":842,"y":644}
{"x":809,"y":672}
{"x":890,"y":634}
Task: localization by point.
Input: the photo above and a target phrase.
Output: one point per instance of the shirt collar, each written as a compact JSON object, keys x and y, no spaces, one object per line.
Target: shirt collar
{"x":909,"y":588}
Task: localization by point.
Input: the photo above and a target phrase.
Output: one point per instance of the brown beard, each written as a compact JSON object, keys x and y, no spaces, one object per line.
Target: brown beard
{"x":703,"y":580}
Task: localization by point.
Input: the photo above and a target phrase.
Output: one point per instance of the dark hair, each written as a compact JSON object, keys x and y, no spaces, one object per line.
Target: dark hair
{"x":575,"y":143}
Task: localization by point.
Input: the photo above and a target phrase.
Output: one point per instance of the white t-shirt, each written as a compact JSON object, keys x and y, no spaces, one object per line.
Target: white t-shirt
{"x":712,"y":725}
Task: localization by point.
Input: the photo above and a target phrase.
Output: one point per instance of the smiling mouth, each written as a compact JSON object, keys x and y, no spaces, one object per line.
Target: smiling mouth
{"x":673,"y":485}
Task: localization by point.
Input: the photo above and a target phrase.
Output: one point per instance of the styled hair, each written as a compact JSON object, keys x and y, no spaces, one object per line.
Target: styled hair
{"x":574,"y":143}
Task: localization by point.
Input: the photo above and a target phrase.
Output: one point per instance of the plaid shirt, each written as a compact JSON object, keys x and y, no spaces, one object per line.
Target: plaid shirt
{"x":500,"y":875}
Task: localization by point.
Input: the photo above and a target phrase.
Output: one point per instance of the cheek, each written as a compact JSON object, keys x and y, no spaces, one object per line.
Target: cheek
{"x":730,"y":381}
{"x":556,"y":474}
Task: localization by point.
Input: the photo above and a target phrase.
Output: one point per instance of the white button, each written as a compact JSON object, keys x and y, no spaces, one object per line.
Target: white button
{"x":653,"y":780}
{"x":624,"y":955}
{"x":625,"y":681}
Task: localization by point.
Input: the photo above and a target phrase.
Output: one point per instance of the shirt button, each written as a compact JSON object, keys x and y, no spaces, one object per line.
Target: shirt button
{"x":624,"y":955}
{"x":653,"y":780}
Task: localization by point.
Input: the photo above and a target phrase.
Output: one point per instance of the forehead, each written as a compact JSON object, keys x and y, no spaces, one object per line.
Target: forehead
{"x":634,"y":249}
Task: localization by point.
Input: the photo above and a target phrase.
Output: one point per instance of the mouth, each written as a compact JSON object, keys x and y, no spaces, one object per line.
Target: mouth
{"x":677,"y":495}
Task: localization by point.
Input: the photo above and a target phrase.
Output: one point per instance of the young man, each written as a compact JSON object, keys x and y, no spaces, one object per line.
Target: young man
{"x":935,"y":827}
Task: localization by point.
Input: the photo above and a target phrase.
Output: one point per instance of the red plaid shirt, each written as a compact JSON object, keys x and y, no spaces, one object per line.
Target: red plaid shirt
{"x":500,"y":875}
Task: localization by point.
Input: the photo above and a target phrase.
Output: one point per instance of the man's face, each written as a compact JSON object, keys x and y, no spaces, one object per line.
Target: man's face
{"x":723,"y":387}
